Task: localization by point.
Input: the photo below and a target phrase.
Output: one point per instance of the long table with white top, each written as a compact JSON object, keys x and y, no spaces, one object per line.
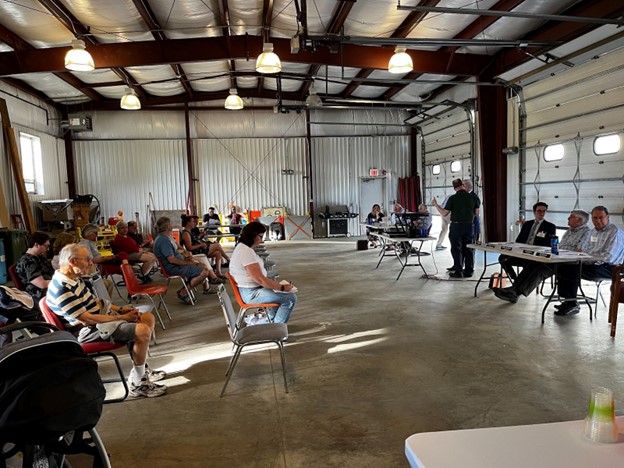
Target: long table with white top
{"x":550,"y":445}
{"x":534,"y":254}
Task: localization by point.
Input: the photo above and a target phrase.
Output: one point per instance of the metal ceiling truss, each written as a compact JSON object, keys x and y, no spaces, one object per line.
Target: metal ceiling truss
{"x":317,"y":50}
{"x":511,"y":14}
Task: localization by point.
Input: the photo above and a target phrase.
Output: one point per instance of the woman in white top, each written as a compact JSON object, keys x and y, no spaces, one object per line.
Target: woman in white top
{"x":248,"y":271}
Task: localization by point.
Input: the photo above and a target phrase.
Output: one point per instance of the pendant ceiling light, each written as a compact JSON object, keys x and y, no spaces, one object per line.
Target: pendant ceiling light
{"x":400,"y":62}
{"x":313,"y":99}
{"x":233,"y":101}
{"x":268,"y":61}
{"x":130,"y":101}
{"x":78,"y":59}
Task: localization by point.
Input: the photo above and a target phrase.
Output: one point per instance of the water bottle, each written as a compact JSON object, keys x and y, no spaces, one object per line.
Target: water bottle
{"x":554,"y":245}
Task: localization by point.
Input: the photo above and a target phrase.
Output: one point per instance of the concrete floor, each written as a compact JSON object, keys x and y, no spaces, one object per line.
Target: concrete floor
{"x":371,"y":361}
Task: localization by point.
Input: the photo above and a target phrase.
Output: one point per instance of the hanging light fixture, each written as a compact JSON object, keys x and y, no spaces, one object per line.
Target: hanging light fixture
{"x":78,"y":59}
{"x":400,"y":62}
{"x":233,"y":101}
{"x":313,"y":99}
{"x":268,"y":61}
{"x":130,"y":101}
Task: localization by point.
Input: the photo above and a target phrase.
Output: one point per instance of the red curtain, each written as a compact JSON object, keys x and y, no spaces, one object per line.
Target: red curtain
{"x":409,"y":192}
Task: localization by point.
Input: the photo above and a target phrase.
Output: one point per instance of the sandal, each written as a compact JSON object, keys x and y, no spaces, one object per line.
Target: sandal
{"x":186,"y":299}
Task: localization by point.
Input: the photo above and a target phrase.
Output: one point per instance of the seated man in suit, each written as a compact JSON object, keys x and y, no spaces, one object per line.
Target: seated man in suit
{"x":576,"y":238}
{"x":535,"y":232}
{"x":606,"y":244}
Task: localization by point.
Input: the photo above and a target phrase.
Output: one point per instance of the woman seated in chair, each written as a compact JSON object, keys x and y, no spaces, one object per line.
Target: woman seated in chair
{"x":189,"y":239}
{"x":248,"y":271}
{"x":374,"y":217}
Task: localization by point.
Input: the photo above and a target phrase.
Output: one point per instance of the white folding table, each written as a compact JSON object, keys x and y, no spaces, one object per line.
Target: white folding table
{"x":551,"y":445}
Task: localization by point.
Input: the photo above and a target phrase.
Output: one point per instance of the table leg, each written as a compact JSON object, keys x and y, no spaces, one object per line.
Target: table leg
{"x":382,"y":253}
{"x":552,"y":293}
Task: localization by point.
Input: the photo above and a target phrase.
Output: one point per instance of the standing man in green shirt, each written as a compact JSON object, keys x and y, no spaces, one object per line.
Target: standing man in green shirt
{"x":462,"y":206}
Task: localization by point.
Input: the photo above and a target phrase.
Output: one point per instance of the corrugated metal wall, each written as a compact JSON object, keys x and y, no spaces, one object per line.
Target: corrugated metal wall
{"x":248,"y":173}
{"x":338,"y":164}
{"x":123,"y":174}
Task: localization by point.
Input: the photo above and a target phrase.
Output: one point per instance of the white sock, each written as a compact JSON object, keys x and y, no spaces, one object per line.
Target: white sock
{"x":139,"y":372}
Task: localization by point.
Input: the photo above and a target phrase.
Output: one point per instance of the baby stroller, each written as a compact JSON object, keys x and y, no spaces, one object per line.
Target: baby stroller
{"x":50,"y":400}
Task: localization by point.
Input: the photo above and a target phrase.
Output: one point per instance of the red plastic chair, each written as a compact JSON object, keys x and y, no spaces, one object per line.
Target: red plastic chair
{"x":169,"y":277}
{"x":16,"y":281}
{"x":94,"y":350}
{"x":111,"y":269}
{"x":242,"y":304}
{"x":149,"y":290}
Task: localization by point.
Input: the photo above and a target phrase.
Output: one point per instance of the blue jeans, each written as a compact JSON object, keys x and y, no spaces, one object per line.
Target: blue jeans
{"x":287,"y":301}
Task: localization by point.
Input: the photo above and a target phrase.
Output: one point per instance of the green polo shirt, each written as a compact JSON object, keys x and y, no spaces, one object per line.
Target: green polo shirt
{"x":462,"y":206}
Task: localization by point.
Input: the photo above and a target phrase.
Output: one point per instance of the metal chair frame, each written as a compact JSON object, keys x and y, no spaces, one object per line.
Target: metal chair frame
{"x":253,"y":335}
{"x":93,"y":350}
{"x":135,"y":290}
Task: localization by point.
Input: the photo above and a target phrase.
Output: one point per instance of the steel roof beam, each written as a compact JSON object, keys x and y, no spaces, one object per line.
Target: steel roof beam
{"x":149,"y":18}
{"x":563,"y":31}
{"x":512,"y":14}
{"x":405,"y":28}
{"x":71,"y":23}
{"x":136,"y":54}
{"x":343,"y":8}
{"x":152,"y":102}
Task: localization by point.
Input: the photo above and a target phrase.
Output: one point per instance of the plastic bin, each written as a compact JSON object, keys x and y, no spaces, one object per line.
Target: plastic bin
{"x":14,"y":244}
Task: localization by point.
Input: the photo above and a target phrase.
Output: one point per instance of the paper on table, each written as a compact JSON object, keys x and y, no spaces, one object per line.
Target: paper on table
{"x":294,"y":288}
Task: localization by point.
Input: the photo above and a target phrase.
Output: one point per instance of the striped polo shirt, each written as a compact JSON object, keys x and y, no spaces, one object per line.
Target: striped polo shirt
{"x":70,"y":298}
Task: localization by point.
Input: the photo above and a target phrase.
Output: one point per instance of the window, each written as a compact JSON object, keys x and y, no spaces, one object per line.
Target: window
{"x":32,"y":167}
{"x":553,"y":153}
{"x":436,"y":169}
{"x":456,"y":166}
{"x":608,"y":144}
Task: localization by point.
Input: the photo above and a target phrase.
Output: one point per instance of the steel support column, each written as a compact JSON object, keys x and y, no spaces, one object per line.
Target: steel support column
{"x":492,"y":108}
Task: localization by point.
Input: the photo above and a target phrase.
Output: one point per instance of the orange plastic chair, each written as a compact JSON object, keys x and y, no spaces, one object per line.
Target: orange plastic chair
{"x":111,"y":269}
{"x":169,"y":277}
{"x":242,"y":304}
{"x":149,"y":290}
{"x":93,"y":349}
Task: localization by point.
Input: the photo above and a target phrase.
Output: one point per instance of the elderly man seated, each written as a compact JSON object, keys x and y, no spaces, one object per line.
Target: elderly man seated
{"x":606,"y":244}
{"x":89,"y":236}
{"x":533,"y":273}
{"x":33,"y":268}
{"x":134,"y":234}
{"x":176,"y":263}
{"x":124,"y":243}
{"x":90,"y":319}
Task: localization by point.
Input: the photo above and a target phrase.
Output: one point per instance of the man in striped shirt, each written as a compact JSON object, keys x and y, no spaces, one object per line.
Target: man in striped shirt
{"x":90,"y":319}
{"x":606,"y":245}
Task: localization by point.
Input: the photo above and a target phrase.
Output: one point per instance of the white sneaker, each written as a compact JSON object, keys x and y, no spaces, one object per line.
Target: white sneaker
{"x":155,"y":375}
{"x":147,"y":389}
